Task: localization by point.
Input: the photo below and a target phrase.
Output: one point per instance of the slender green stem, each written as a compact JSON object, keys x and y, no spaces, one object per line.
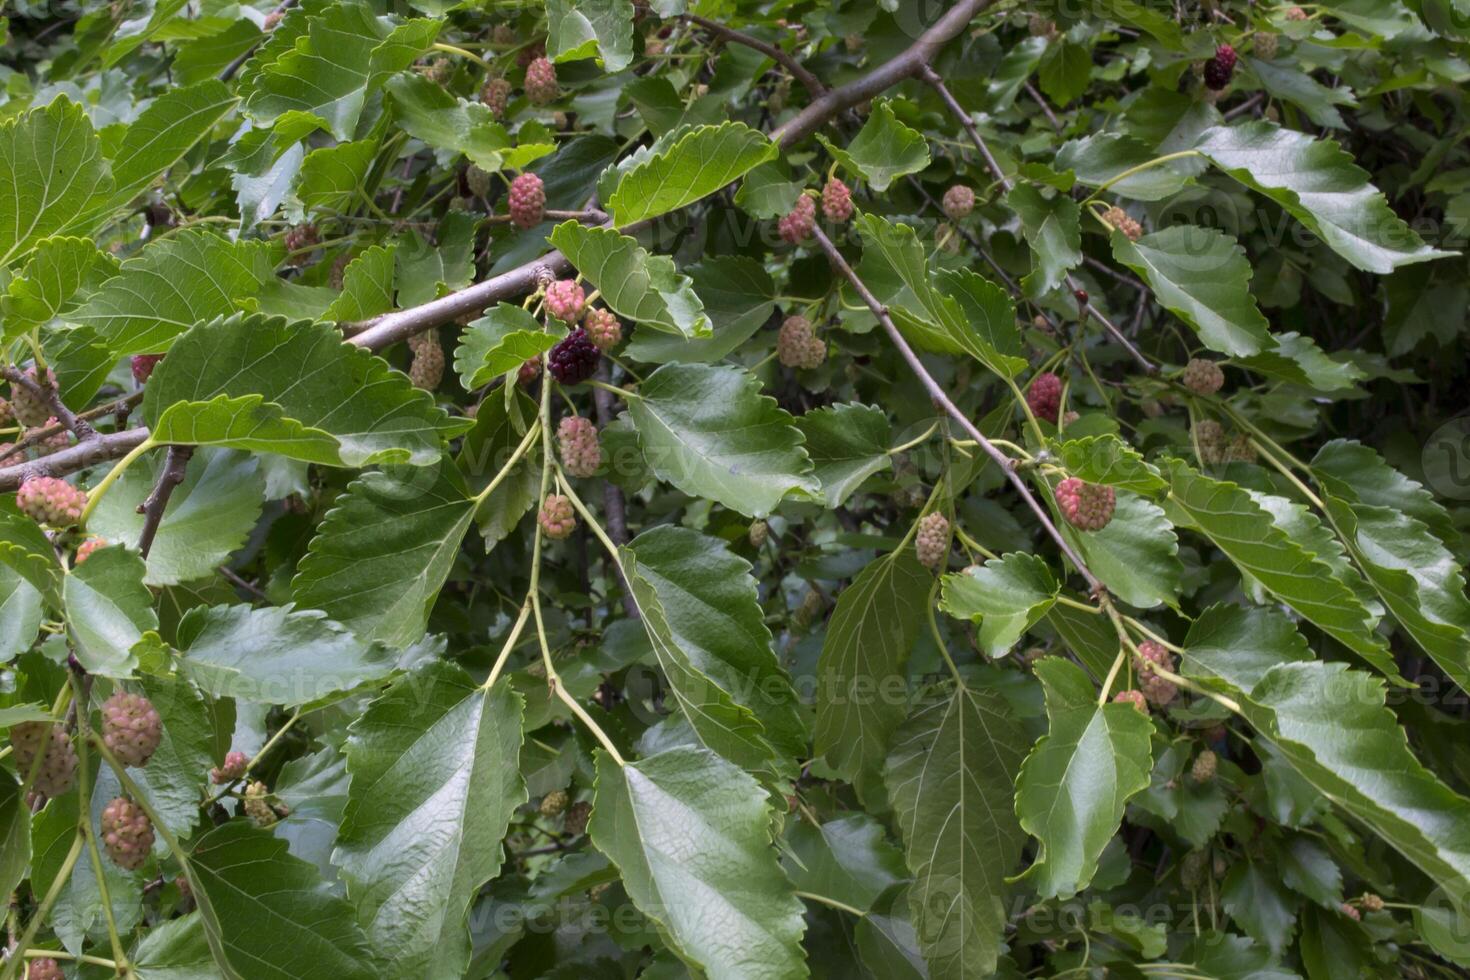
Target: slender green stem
{"x":61,"y":954}
{"x":592,"y":522}
{"x":510,"y":642}
{"x":622,"y":393}
{"x":1073,"y":603}
{"x":118,"y":469}
{"x":972,"y":544}
{"x":461,"y":52}
{"x":1136,"y":625}
{"x":939,"y":638}
{"x":1107,"y":684}
{"x":84,"y":827}
{"x":832,"y":903}
{"x":44,"y":909}
{"x":915,"y":441}
{"x":526,"y":443}
{"x":1146,"y":165}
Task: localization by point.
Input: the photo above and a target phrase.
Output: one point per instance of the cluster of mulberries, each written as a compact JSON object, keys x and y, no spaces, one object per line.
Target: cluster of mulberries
{"x":495,"y":94}
{"x":565,"y":299}
{"x":131,"y":728}
{"x":1045,"y":396}
{"x":798,"y":346}
{"x":527,"y":201}
{"x":557,"y":518}
{"x":574,"y":359}
{"x":142,"y":365}
{"x":603,"y":329}
{"x":1156,"y":689}
{"x":58,"y":772}
{"x":48,"y":500}
{"x":1202,"y":376}
{"x":1216,"y":448}
{"x":958,"y":202}
{"x":932,"y":542}
{"x":1117,"y":218}
{"x":541,"y":87}
{"x":127,"y":833}
{"x":836,"y":201}
{"x":1220,"y":68}
{"x":1086,"y":506}
{"x":427,"y":367}
{"x":28,"y":409}
{"x":797,"y":224}
{"x":233,"y":768}
{"x":580,"y":452}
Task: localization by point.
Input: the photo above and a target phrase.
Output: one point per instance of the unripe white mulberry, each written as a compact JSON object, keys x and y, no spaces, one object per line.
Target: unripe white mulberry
{"x":553,"y":803}
{"x":565,"y":299}
{"x":257,"y":808}
{"x":131,"y":728}
{"x":1202,"y":376}
{"x":932,"y":541}
{"x":427,"y":367}
{"x":1204,"y":766}
{"x":581,"y":453}
{"x":48,"y":500}
{"x":126,"y":833}
{"x":58,"y":772}
{"x":959,"y":201}
{"x":1117,"y":218}
{"x":557,"y":518}
{"x":28,"y":409}
{"x":603,"y":329}
{"x":798,"y":346}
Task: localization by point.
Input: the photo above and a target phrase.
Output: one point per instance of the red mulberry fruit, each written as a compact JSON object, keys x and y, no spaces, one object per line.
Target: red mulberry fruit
{"x":574,"y":359}
{"x":527,"y":201}
{"x":28,"y":409}
{"x":541,"y":87}
{"x":427,"y":367}
{"x":1351,"y":912}
{"x":300,"y":241}
{"x":1134,"y":698}
{"x":1220,"y":68}
{"x":47,"y":500}
{"x":959,"y":201}
{"x":1158,"y":690}
{"x":233,"y":768}
{"x":797,"y":344}
{"x":1203,"y":377}
{"x":85,"y":549}
{"x":1045,"y":396}
{"x":496,"y":96}
{"x":529,"y":371}
{"x":44,"y":968}
{"x":1117,"y":218}
{"x":1086,"y":506}
{"x":127,"y":833}
{"x":557,"y":518}
{"x":796,"y":226}
{"x":580,"y":452}
{"x":143,"y":365}
{"x":131,"y":728}
{"x":932,"y":542}
{"x":58,"y":773}
{"x":566,"y":300}
{"x":603,"y":329}
{"x":836,"y":201}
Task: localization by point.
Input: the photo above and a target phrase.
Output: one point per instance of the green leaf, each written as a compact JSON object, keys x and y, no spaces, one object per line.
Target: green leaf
{"x":1101,"y":157}
{"x":636,"y":285}
{"x":175,"y":778}
{"x":1247,"y":534}
{"x":500,"y":424}
{"x":270,"y":913}
{"x":710,"y":432}
{"x":175,"y":949}
{"x":328,"y":73}
{"x":864,"y":659}
{"x":1006,"y":597}
{"x":25,"y":548}
{"x":849,"y":859}
{"x":272,"y":655}
{"x":431,"y":113}
{"x":1298,"y":360}
{"x":108,"y":609}
{"x":1318,"y":183}
{"x":381,"y":555}
{"x":1137,"y":555}
{"x":1066,"y":69}
{"x":310,"y":377}
{"x":690,"y":834}
{"x":703,"y":616}
{"x":577,"y":30}
{"x":1355,"y":473}
{"x":1076,"y":781}
{"x":1254,"y":898}
{"x":883,"y":150}
{"x":1052,"y":229}
{"x":847,"y":444}
{"x":950,"y":774}
{"x":15,"y":833}
{"x":208,"y":517}
{"x":332,"y":175}
{"x":1108,"y":460}
{"x":435,"y":780}
{"x":161,"y":135}
{"x":367,"y":286}
{"x":498,"y":342}
{"x":21,"y":610}
{"x":1239,"y":644}
{"x":1288,"y":84}
{"x":427,"y":269}
{"x":696,"y":164}
{"x":738,"y":295}
{"x":174,"y":284}
{"x":1201,"y":276}
{"x":52,"y":161}
{"x":59,"y":269}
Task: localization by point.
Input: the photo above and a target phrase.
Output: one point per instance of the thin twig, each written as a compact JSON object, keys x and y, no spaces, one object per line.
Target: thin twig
{"x":73,"y":458}
{"x":175,"y":467}
{"x":41,"y":433}
{"x":938,"y":394}
{"x":1045,"y":109}
{"x":782,"y":58}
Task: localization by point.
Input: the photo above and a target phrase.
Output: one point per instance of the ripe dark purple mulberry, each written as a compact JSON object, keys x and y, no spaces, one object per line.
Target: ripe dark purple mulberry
{"x":574,"y":359}
{"x":143,"y":365}
{"x":131,"y":728}
{"x":1220,"y":68}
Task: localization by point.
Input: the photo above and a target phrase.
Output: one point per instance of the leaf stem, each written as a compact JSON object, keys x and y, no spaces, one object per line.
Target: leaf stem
{"x":1146,"y":165}
{"x":461,"y":52}
{"x":832,"y":903}
{"x":44,"y":909}
{"x":622,"y":393}
{"x":84,"y":827}
{"x":526,"y":443}
{"x":510,"y":642}
{"x":118,"y":469}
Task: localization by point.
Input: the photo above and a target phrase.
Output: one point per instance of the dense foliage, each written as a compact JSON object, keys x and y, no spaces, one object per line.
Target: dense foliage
{"x":702,"y":488}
